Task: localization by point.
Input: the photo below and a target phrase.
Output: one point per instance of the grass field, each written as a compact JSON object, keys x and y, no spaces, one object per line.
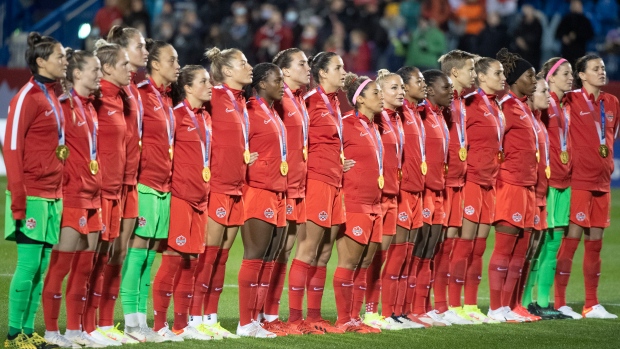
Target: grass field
{"x":544,"y":334}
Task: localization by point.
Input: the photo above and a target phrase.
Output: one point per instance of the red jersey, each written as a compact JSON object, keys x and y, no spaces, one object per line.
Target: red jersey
{"x":458,"y":139}
{"x":30,"y":145}
{"x":435,"y":129}
{"x":192,"y":143}
{"x":227,"y":166}
{"x":542,"y":183}
{"x":324,"y":144}
{"x":360,"y":183}
{"x":80,"y":187}
{"x":557,"y":120}
{"x":520,"y":144}
{"x":413,"y":128}
{"x":268,"y":139}
{"x":391,"y":129}
{"x":484,"y":129}
{"x":111,"y":141}
{"x":590,"y":170}
{"x":295,"y":118}
{"x":133,"y":119}
{"x":157,"y":138}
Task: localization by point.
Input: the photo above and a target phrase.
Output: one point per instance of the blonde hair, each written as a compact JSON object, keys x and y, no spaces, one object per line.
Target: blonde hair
{"x":219,"y":60}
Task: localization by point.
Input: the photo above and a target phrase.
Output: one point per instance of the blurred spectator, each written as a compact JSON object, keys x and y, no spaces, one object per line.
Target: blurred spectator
{"x":292,"y":21}
{"x":359,"y":58}
{"x":308,"y":39}
{"x":411,"y":10}
{"x":606,"y":12}
{"x":427,"y":44}
{"x":138,"y":18}
{"x":493,"y":37}
{"x":506,"y":9}
{"x":528,"y":36}
{"x":439,"y":11}
{"x":215,"y":37}
{"x":272,"y":37}
{"x":574,"y":32}
{"x":238,"y":28}
{"x":107,"y":17}
{"x":165,"y":24}
{"x":394,"y":25}
{"x":472,"y":18}
{"x":188,"y":44}
{"x":369,"y":21}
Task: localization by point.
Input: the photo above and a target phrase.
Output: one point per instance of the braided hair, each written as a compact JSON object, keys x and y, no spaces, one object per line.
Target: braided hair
{"x":260,"y":73}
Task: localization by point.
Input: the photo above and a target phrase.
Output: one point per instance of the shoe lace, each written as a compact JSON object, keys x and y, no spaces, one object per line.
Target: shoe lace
{"x":219,"y":327}
{"x":115,"y":330}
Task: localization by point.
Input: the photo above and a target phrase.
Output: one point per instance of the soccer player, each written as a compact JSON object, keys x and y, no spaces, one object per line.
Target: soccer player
{"x":230,"y":157}
{"x":514,"y":213}
{"x":34,"y":152}
{"x":594,"y":127}
{"x":324,"y":197}
{"x":360,"y":236}
{"x":154,"y":180}
{"x":132,"y":41}
{"x":459,"y":66}
{"x":188,"y":204}
{"x":81,"y":216}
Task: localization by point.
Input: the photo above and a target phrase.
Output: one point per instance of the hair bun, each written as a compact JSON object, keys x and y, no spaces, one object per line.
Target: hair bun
{"x":34,"y":38}
{"x":100,"y":43}
{"x":382,"y":73}
{"x":69,"y":52}
{"x":349,"y":80}
{"x":213,"y":54}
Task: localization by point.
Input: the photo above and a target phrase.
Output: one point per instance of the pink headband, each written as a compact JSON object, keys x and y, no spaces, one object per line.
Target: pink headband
{"x":359,"y":89}
{"x":554,"y":68}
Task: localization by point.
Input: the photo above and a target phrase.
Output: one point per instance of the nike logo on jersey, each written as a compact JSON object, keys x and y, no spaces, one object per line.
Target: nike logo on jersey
{"x":409,"y":122}
{"x":229,"y":110}
{"x":291,"y":114}
{"x":551,"y":115}
{"x":81,"y":123}
{"x":394,"y":277}
{"x":584,"y":113}
{"x":435,"y":125}
{"x":48,"y":112}
{"x":362,"y":134}
{"x":111,"y":112}
{"x":190,"y":129}
{"x":522,"y":117}
{"x":386,"y":131}
{"x":324,"y":114}
{"x":486,"y":113}
{"x":156,"y":108}
{"x":267,"y":121}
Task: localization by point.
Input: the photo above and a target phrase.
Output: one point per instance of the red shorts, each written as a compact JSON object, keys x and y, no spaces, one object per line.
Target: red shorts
{"x":590,"y":208}
{"x":540,"y":218}
{"x":296,"y":210}
{"x":479,"y":203}
{"x":129,"y":201}
{"x":187,"y":227}
{"x":82,"y":219}
{"x":389,"y":210}
{"x":409,"y":210}
{"x":432,"y":203}
{"x":111,"y":219}
{"x":363,"y":227}
{"x":265,"y":205}
{"x":226,"y":210}
{"x":515,"y":205}
{"x":324,"y":204}
{"x":453,"y":206}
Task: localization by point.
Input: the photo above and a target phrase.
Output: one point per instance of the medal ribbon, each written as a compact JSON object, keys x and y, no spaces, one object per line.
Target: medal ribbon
{"x":401,"y":137}
{"x":60,"y":119}
{"x":92,"y":140}
{"x":499,"y":123}
{"x":337,"y":116}
{"x":279,"y":125}
{"x":243,"y":115}
{"x":302,"y":110}
{"x":169,"y":123}
{"x":376,"y":144}
{"x":532,"y":120}
{"x":446,"y":135}
{"x":138,"y":100}
{"x":421,"y":132}
{"x":546,"y":142}
{"x":205,"y":144}
{"x":565,"y":120}
{"x":460,"y":130}
{"x":600,"y":128}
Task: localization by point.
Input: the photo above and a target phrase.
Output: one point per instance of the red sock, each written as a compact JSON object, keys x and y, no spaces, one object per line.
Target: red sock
{"x":249,"y":274}
{"x":374,"y":283}
{"x":183,"y":292}
{"x":391,"y":275}
{"x":518,"y":295}
{"x":359,"y":291}
{"x":563,"y":269}
{"x":498,"y":267}
{"x":343,"y":290}
{"x":59,"y":266}
{"x":212,"y":298}
{"x":77,"y":287}
{"x":276,"y":286}
{"x":458,"y":268}
{"x":591,"y":270}
{"x":263,"y":287}
{"x":442,"y":270}
{"x":414,"y":270}
{"x":296,"y":286}
{"x":163,"y":287}
{"x":515,"y":267}
{"x":473,"y":275}
{"x":89,"y":319}
{"x":111,"y":286}
{"x":422,"y":287}
{"x":315,"y":284}
{"x":403,"y":283}
{"x":202,"y":278}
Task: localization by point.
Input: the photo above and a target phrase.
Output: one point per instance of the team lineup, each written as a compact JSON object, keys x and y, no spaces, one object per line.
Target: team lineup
{"x":405,"y":187}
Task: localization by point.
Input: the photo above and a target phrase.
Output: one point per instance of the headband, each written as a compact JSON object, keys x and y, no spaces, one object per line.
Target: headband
{"x":521,"y":65}
{"x":359,"y":90}
{"x":554,"y":68}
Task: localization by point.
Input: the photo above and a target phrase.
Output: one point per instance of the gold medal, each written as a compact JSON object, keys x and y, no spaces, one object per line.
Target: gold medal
{"x":305,"y":153}
{"x":399,"y":173}
{"x":445,"y":168}
{"x":342,"y":157}
{"x":170,"y":152}
{"x":564,"y":157}
{"x":206,"y":174}
{"x":284,"y":168}
{"x":463,"y":154}
{"x":423,"y":167}
{"x":246,"y":156}
{"x":140,"y":145}
{"x":381,"y":181}
{"x":500,"y":156}
{"x":537,"y":156}
{"x":603,"y":151}
{"x":93,"y":165}
{"x":62,"y":152}
{"x":548,"y":172}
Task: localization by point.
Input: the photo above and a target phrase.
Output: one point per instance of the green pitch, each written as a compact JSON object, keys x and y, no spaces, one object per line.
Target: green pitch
{"x":547,"y":334}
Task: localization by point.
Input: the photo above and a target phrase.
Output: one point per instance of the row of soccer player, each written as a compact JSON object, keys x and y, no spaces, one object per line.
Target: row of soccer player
{"x":423,"y":165}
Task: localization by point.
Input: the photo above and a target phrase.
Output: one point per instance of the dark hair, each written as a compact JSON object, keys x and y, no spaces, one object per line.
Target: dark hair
{"x":351,"y":83}
{"x":284,"y":58}
{"x":121,"y":36}
{"x":432,"y":75}
{"x":220,"y":59}
{"x":186,"y":76}
{"x":549,"y":64}
{"x":508,"y":60}
{"x":106,"y":52}
{"x":482,"y":66}
{"x":319,"y":62}
{"x":407,"y":73}
{"x":260,"y":73}
{"x":38,"y":46}
{"x":580,"y":66}
{"x":454,"y":59}
{"x":154,"y":47}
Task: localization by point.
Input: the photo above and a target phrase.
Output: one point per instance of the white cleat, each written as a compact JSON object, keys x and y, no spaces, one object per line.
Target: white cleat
{"x":152,"y":336}
{"x":568,"y":311}
{"x":254,"y":329}
{"x":598,"y":312}
{"x":169,"y":335}
{"x":511,"y":316}
{"x":433,"y":314}
{"x":497,"y":315}
{"x":103,"y":339}
{"x":82,"y":339}
{"x":117,"y":335}
{"x":190,"y":332}
{"x":408,"y":324}
{"x":218,"y":331}
{"x":135,"y":333}
{"x":54,"y":337}
{"x":455,"y":319}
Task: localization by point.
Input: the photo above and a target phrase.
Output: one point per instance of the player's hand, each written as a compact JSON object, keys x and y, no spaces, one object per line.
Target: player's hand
{"x":253,"y":157}
{"x":348,"y":164}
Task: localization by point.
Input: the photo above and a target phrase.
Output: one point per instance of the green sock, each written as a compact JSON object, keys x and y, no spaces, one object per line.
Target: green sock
{"x":130,"y":279}
{"x":37,"y":290}
{"x":145,"y":282}
{"x":28,"y":262}
{"x":13,"y":332}
{"x":546,"y":275}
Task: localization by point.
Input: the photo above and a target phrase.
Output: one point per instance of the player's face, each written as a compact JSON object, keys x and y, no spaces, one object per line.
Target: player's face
{"x":466,"y":76}
{"x":334,"y":76}
{"x":372,"y":98}
{"x":201,"y":86}
{"x":90,"y":75}
{"x":563,"y":77}
{"x":526,"y":84}
{"x":299,"y":70}
{"x":416,"y":86}
{"x":540,"y":98}
{"x":136,"y":49}
{"x":393,"y":91}
{"x":442,"y":91}
{"x":169,"y":67}
{"x":240,"y":69}
{"x":119,"y":74}
{"x":273,"y":85}
{"x":494,"y":78}
{"x":55,"y":66}
{"x":595,"y":74}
